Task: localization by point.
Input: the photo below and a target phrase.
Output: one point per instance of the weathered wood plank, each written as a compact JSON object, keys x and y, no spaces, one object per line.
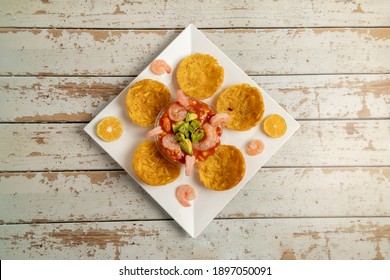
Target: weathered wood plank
{"x":273,"y":192}
{"x":318,"y":238}
{"x":52,"y":145}
{"x":330,"y":97}
{"x":57,"y":99}
{"x":256,"y":51}
{"x":205,"y":13}
{"x":304,"y":97}
{"x":316,"y":143}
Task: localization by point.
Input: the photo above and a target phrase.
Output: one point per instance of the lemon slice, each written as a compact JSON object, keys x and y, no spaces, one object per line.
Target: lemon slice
{"x":109,"y":129}
{"x":274,"y":126}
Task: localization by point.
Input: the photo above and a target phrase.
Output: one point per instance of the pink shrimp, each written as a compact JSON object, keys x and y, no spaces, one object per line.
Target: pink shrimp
{"x":154,"y":132}
{"x":255,"y":147}
{"x":209,"y":140}
{"x":176,"y":112}
{"x":170,"y":142}
{"x":182,"y":98}
{"x":184,"y":193}
{"x":159,"y":67}
{"x":190,"y":162}
{"x":220,"y":119}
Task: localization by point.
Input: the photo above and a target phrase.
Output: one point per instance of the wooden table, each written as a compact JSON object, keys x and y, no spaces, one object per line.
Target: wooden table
{"x":324,"y":195}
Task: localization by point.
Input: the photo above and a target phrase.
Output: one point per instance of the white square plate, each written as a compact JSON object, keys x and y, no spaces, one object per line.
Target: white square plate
{"x":208,"y":203}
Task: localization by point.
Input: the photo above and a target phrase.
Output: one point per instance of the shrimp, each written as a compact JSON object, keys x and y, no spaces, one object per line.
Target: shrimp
{"x":184,"y":193}
{"x":177,"y":112}
{"x":255,"y":147}
{"x":182,"y":99}
{"x":170,"y":143}
{"x":159,"y":67}
{"x":220,"y":119}
{"x":154,"y":132}
{"x":209,"y":140}
{"x":190,"y":162}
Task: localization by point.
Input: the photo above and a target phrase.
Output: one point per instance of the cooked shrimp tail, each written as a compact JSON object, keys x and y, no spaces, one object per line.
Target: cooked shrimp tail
{"x":189,"y":166}
{"x":182,"y":98}
{"x":154,"y":132}
{"x":220,"y":119}
{"x":184,"y":193}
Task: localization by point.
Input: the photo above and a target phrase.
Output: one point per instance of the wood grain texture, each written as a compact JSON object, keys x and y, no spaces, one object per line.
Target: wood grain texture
{"x":203,"y":13}
{"x":316,"y":143}
{"x":47,"y":197}
{"x":57,"y":99}
{"x":324,"y":238}
{"x":324,"y":195}
{"x":256,"y":51}
{"x":79,"y":99}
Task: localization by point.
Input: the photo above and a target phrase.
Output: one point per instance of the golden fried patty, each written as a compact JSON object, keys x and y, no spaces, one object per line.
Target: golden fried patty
{"x":145,"y":99}
{"x":199,"y":75}
{"x":244,"y":104}
{"x":151,"y":167}
{"x":223,"y":170}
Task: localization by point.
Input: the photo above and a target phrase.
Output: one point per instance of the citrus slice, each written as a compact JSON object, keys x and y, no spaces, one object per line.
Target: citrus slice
{"x":109,"y":129}
{"x":274,"y":126}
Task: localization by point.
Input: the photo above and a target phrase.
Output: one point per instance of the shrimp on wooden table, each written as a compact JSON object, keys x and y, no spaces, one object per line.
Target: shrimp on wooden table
{"x":159,"y":67}
{"x":255,"y":147}
{"x":154,"y":132}
{"x":169,"y":142}
{"x":209,"y":140}
{"x":177,"y":112}
{"x":184,"y":193}
{"x":220,"y":119}
{"x":189,"y":165}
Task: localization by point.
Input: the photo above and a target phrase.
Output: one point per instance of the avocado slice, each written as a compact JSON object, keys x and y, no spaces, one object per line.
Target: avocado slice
{"x":191,"y":116}
{"x":194,"y":125}
{"x":180,"y":136}
{"x":186,"y":146}
{"x":197,"y":135}
{"x":184,"y":129}
{"x":177,"y":125}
